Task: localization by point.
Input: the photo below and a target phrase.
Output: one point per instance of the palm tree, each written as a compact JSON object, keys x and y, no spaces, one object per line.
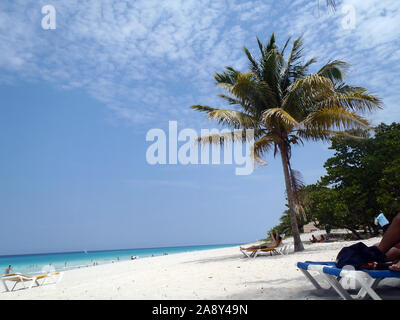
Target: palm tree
{"x":285,"y":105}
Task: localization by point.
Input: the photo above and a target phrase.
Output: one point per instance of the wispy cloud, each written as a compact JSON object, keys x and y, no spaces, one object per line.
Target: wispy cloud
{"x":148,"y":61}
{"x":372,"y":47}
{"x":143,"y":59}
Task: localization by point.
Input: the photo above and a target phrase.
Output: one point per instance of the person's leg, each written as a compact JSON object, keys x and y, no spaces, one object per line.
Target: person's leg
{"x":251,"y":248}
{"x":392,"y":236}
{"x":393,"y":253}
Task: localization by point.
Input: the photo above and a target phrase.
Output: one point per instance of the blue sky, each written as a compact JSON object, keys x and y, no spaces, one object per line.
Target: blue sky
{"x":76,"y":103}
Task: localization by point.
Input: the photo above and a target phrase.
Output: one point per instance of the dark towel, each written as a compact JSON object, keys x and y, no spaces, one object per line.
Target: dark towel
{"x":359,"y":254}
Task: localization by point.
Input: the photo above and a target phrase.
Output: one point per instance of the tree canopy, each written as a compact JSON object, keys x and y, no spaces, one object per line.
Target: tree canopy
{"x":362,"y":180}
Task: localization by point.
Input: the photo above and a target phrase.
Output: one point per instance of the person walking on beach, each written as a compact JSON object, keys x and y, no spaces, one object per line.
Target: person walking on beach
{"x":8,"y":269}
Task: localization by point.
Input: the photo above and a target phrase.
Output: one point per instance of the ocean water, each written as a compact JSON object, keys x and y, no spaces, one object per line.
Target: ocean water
{"x":45,"y":262}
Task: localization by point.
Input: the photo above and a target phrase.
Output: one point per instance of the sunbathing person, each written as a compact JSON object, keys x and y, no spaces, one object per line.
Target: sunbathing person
{"x":390,"y":244}
{"x":276,"y":241}
{"x":315,"y":240}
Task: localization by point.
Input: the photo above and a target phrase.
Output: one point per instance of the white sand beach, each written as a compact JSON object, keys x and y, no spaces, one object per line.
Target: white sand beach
{"x":210,"y":274}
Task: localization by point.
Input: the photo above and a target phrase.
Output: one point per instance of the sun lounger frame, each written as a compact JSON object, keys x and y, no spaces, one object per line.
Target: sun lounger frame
{"x":23,"y":278}
{"x":367,"y":279}
{"x":282,"y":249}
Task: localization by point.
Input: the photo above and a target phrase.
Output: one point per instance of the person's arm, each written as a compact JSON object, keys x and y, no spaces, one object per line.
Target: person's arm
{"x":272,"y":236}
{"x":392,"y":236}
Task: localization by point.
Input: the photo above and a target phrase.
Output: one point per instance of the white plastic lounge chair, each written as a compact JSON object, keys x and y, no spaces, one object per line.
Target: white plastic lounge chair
{"x":368,"y":280}
{"x":285,"y":248}
{"x":23,"y":278}
{"x":282,"y":249}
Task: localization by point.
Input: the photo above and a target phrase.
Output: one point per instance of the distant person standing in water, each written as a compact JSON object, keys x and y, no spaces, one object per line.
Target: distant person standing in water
{"x":8,"y":269}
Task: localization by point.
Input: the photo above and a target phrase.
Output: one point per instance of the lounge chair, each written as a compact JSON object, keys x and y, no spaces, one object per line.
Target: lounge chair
{"x":368,"y":280}
{"x":23,"y":278}
{"x":281,"y":248}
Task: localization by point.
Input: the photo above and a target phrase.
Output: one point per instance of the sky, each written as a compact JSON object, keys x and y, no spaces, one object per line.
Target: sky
{"x":77,"y":102}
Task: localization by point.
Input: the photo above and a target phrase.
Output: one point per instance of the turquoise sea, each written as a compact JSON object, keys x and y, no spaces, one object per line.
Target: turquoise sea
{"x":37,"y":263}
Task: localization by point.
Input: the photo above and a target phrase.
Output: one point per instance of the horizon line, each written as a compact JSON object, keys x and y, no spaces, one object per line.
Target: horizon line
{"x":87,"y":251}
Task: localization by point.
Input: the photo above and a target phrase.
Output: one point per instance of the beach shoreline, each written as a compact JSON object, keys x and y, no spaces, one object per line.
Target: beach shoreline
{"x":38,"y":263}
{"x":215,"y":274}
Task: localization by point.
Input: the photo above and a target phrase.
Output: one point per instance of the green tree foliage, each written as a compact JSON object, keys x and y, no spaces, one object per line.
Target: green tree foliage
{"x":387,"y":158}
{"x":326,"y":207}
{"x":362,"y":180}
{"x":284,"y":227}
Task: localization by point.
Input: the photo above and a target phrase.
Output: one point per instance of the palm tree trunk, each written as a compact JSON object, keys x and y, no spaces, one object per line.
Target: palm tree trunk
{"x":298,"y":245}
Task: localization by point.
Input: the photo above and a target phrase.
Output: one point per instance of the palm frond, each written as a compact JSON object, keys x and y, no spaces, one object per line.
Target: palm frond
{"x":334,"y":70}
{"x":356,"y":99}
{"x":260,"y":147}
{"x":315,"y":134}
{"x":271,"y":66}
{"x":227,"y":78}
{"x":297,"y":51}
{"x":221,"y":138}
{"x":235,"y":101}
{"x":231,"y":118}
{"x":297,"y":180}
{"x":298,"y":189}
{"x":279,"y":116}
{"x":294,"y":68}
{"x":318,"y":134}
{"x":331,"y":4}
{"x":261,"y":47}
{"x":345,"y":88}
{"x":360,"y":100}
{"x":271,"y":44}
{"x":258,"y":93}
{"x":303,"y":94}
{"x":253,"y":63}
{"x":285,"y":46}
{"x":335,"y":118}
